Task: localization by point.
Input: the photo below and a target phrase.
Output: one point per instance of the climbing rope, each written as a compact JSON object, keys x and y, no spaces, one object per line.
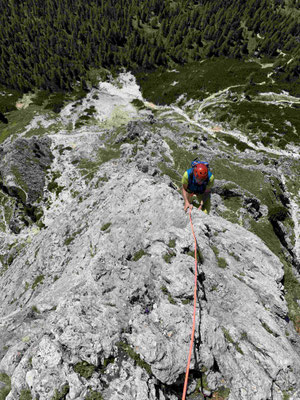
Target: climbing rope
{"x":194,"y":315}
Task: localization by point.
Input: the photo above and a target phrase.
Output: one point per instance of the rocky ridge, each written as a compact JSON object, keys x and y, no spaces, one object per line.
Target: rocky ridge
{"x":97,"y":302}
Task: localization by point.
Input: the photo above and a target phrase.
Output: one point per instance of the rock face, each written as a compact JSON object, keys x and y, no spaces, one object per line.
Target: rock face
{"x":99,"y":303}
{"x":23,"y":167}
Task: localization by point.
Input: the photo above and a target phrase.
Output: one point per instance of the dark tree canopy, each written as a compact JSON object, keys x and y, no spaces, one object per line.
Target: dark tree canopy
{"x":51,"y":44}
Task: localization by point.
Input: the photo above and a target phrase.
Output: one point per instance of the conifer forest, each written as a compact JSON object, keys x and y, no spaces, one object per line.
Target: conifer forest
{"x":52,"y":44}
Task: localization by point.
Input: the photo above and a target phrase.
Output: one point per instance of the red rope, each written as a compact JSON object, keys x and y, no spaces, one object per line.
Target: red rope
{"x":194,"y":316}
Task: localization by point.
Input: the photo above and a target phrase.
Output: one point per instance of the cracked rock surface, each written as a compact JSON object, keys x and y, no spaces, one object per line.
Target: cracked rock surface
{"x":96,"y":298}
{"x":100,"y":301}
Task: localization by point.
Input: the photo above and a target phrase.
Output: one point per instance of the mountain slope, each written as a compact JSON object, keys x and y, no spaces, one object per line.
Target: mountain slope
{"x":97,"y":284}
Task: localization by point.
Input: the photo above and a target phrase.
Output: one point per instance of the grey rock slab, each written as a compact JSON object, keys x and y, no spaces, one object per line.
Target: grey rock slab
{"x":103,"y":267}
{"x":23,"y":166}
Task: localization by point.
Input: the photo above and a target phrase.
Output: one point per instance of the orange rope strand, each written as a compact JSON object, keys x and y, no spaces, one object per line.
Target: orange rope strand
{"x":194,"y":316}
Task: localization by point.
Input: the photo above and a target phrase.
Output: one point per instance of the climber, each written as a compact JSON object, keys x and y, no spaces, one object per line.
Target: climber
{"x":197,"y":182}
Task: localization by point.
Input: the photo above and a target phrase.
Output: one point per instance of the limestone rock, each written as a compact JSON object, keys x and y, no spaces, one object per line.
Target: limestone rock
{"x":100,"y":301}
{"x":23,"y":167}
{"x":111,"y":278}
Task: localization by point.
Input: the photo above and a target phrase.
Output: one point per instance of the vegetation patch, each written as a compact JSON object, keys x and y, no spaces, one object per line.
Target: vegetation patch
{"x":167,"y":293}
{"x":139,"y":104}
{"x":139,"y":254}
{"x":275,"y":125}
{"x":292,"y":296}
{"x":263,"y":229}
{"x":25,"y":394}
{"x":194,"y":79}
{"x":233,"y":203}
{"x":18,"y":120}
{"x":62,"y":394}
{"x":277,"y":213}
{"x":56,"y":101}
{"x":106,"y":362}
{"x":38,"y":280}
{"x":268,"y":329}
{"x":200,"y":257}
{"x":222,"y":393}
{"x":222,"y":263}
{"x":84,"y":369}
{"x":93,"y":395}
{"x":215,"y":250}
{"x":35,"y":309}
{"x":71,"y":238}
{"x":230,"y":340}
{"x":53,"y":186}
{"x":241,"y":146}
{"x":7,"y":204}
{"x":168,"y":256}
{"x":172,"y":243}
{"x":85,"y":120}
{"x":105,"y":227}
{"x":134,"y":356}
{"x":4,"y":391}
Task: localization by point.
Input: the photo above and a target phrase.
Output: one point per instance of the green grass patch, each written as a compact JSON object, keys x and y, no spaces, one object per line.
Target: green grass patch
{"x":176,"y":178}
{"x":35,"y":309}
{"x":4,"y":391}
{"x":18,"y":121}
{"x":7,"y":204}
{"x":38,"y":280}
{"x":222,"y":263}
{"x":230,"y":340}
{"x":277,"y":213}
{"x":292,"y":296}
{"x":72,"y":237}
{"x":215,"y":250}
{"x":9,"y":99}
{"x":25,"y":395}
{"x":84,"y":369}
{"x":168,"y":256}
{"x":172,"y":243}
{"x":61,"y":395}
{"x":138,"y":104}
{"x":241,"y":146}
{"x":134,"y":356}
{"x":223,"y":393}
{"x":200,"y":257}
{"x":56,"y":101}
{"x":139,"y":254}
{"x":167,"y":293}
{"x":85,"y":120}
{"x":250,"y":180}
{"x":196,"y":79}
{"x":19,"y":179}
{"x":186,"y":301}
{"x":263,"y":229}
{"x":106,"y":362}
{"x":233,"y":204}
{"x":278,"y":124}
{"x":53,"y":186}
{"x":105,"y":226}
{"x":286,"y":396}
{"x":268,"y":329}
{"x":93,"y":395}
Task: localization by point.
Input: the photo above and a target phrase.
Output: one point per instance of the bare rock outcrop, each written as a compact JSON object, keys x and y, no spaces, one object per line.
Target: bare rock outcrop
{"x":100,"y":302}
{"x":23,"y":165}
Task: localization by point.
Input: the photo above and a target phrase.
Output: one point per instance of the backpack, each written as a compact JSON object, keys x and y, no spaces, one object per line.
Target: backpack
{"x":196,"y":162}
